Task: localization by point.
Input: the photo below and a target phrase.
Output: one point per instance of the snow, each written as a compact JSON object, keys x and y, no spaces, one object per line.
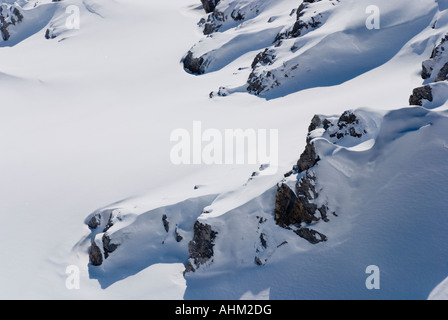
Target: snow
{"x":86,"y":122}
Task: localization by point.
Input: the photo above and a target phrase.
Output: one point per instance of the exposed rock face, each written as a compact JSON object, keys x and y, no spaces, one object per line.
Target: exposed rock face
{"x":308,"y":159}
{"x":94,"y":222}
{"x":259,"y":83}
{"x":264,"y":58}
{"x":434,"y":70}
{"x":166,"y":223}
{"x":302,"y":24}
{"x":10,"y":15}
{"x":298,"y":206}
{"x":420,"y":94}
{"x":103,"y":220}
{"x":264,"y":78}
{"x":436,"y":67}
{"x":95,"y":255}
{"x":201,"y":247}
{"x":209,"y":5}
{"x":108,"y":245}
{"x":228,"y":15}
{"x":295,"y":208}
{"x":179,"y":238}
{"x":195,"y":65}
{"x":312,"y":236}
{"x":214,"y":21}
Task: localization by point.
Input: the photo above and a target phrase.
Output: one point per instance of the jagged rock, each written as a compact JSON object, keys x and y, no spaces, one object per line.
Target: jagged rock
{"x":437,"y":65}
{"x":302,"y":203}
{"x":264,"y":58}
{"x":316,"y":122}
{"x":292,"y":209}
{"x":300,"y":25}
{"x":347,"y":125}
{"x":201,"y":247}
{"x":95,"y":221}
{"x":258,"y":83}
{"x":226,"y":16}
{"x":108,"y":245}
{"x":209,"y":5}
{"x":443,"y":73}
{"x":310,"y":235}
{"x":49,"y":34}
{"x":258,"y":261}
{"x":263,"y":241}
{"x":95,"y":255}
{"x":308,"y":159}
{"x":420,"y":94}
{"x":9,"y":15}
{"x":179,"y":238}
{"x":347,"y":118}
{"x":193,"y":64}
{"x":214,"y":21}
{"x":166,"y":223}
{"x":110,"y":222}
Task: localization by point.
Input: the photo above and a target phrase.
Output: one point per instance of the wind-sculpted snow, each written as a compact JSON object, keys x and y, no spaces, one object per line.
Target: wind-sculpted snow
{"x":20,"y":20}
{"x":305,"y":50}
{"x":377,"y":213}
{"x":355,"y":206}
{"x":90,"y":108}
{"x":123,"y":243}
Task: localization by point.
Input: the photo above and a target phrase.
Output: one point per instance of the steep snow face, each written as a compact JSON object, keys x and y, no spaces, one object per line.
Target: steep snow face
{"x":375,"y":176}
{"x":299,"y":48}
{"x":383,"y":194}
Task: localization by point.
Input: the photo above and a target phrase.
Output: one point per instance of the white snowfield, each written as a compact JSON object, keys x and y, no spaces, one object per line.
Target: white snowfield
{"x":85,"y":129}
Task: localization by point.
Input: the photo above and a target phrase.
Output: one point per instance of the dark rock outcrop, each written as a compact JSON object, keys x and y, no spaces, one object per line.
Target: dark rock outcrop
{"x":193,"y":64}
{"x":312,"y":236}
{"x":308,"y":159}
{"x":436,"y":67}
{"x":258,"y":83}
{"x":95,"y":221}
{"x":297,"y":205}
{"x":95,"y":255}
{"x":108,"y":245}
{"x":434,"y":70}
{"x":9,"y":16}
{"x":420,"y":94}
{"x":263,"y":58}
{"x":300,"y":25}
{"x":295,"y":208}
{"x":166,"y":224}
{"x":201,"y":247}
{"x":209,"y":5}
{"x":179,"y":238}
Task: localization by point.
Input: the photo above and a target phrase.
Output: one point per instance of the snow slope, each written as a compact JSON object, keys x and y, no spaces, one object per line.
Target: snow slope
{"x":86,"y":121}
